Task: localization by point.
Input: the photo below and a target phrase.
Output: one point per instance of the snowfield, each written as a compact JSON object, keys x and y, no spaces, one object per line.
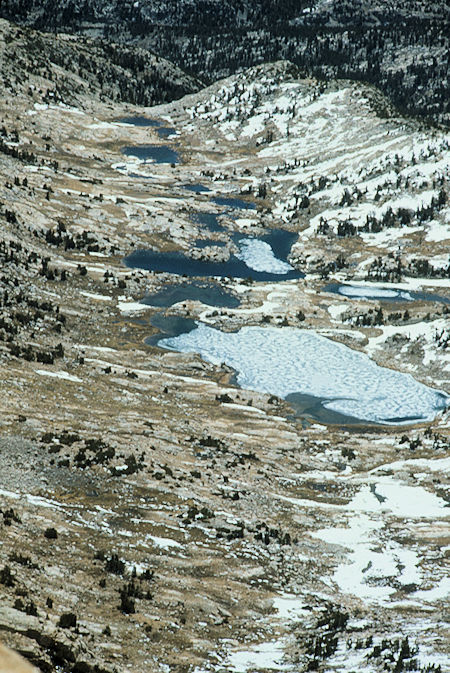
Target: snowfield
{"x":377,"y":565}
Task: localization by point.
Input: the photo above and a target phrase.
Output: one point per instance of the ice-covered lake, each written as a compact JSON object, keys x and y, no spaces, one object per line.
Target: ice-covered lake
{"x":379,"y":293}
{"x":285,"y":361}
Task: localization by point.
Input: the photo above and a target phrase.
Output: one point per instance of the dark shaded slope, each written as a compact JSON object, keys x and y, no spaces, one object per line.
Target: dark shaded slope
{"x":70,"y":67}
{"x":402,"y":48}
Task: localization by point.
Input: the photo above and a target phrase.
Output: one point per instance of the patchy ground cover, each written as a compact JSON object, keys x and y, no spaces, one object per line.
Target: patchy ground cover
{"x":155,"y":516}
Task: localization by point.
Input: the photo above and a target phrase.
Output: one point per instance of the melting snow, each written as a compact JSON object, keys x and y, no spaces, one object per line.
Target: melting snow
{"x":408,"y":502}
{"x":440,"y":591}
{"x":289,"y":607}
{"x":163,"y":542}
{"x":438,"y":232}
{"x":374,"y":560}
{"x":266,"y":656}
{"x":98,"y":297}
{"x":127,"y":307}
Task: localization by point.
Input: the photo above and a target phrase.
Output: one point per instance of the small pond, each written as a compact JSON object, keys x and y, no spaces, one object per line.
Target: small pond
{"x":140,"y":121}
{"x":316,"y":374}
{"x":165,"y":131}
{"x":209,"y":220}
{"x":210,"y":294}
{"x":197,"y":188}
{"x":161,"y":130}
{"x":159,"y":154}
{"x":387,"y":294}
{"x":233,"y":202}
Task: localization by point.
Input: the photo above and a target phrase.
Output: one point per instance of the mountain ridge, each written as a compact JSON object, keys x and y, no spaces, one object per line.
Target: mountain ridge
{"x":400,"y":47}
{"x":70,"y":67}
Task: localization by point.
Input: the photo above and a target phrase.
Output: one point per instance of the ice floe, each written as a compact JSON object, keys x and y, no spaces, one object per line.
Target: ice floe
{"x":259,"y":256}
{"x":287,"y":360}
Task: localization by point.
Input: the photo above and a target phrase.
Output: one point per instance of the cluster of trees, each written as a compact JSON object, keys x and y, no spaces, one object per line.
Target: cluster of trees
{"x":400,"y":217}
{"x":401,"y":48}
{"x":94,"y":67}
{"x":392,"y":269}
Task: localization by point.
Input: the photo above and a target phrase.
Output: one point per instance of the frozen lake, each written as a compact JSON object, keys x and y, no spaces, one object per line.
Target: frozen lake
{"x":382,"y":293}
{"x":287,"y":361}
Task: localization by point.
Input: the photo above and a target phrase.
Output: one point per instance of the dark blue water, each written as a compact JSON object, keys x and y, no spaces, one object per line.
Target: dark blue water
{"x":207,"y":293}
{"x":140,"y":121}
{"x":233,"y":202}
{"x":160,"y":154}
{"x":197,"y":188}
{"x":280,"y":241}
{"x":205,"y":242}
{"x":311,"y":407}
{"x":210,"y":220}
{"x":165,"y":131}
{"x":180,"y":264}
{"x":161,"y":130}
{"x":169,"y":326}
{"x":335,"y":288}
{"x":140,"y":177}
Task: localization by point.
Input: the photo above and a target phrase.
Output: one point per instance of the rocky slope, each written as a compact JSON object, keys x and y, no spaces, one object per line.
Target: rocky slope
{"x":154,"y":515}
{"x":401,"y":47}
{"x":64,"y":68}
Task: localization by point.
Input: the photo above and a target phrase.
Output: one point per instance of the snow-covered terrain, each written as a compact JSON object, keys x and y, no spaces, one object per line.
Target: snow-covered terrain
{"x":334,"y":169}
{"x":377,"y":565}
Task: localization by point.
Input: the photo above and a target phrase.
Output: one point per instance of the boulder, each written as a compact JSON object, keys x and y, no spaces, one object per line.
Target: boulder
{"x":11,"y":662}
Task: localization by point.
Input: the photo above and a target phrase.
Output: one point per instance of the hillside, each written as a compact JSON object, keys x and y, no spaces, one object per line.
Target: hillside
{"x":174,"y":507}
{"x":401,"y":47}
{"x":64,"y":68}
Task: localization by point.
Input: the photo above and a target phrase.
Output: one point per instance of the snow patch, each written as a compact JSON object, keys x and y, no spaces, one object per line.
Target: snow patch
{"x":128,"y":307}
{"x":59,"y":375}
